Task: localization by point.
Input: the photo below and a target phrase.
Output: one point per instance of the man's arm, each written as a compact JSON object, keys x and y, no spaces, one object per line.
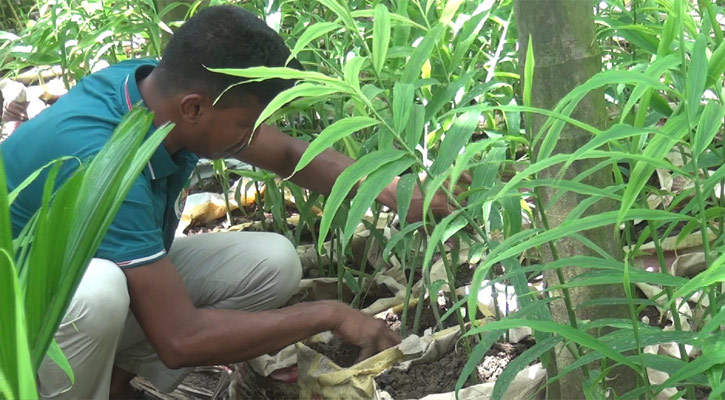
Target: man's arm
{"x":184,"y":335}
{"x":274,"y":151}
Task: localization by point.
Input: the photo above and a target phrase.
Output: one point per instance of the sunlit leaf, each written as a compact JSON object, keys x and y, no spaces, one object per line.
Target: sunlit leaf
{"x":332,"y":134}
{"x":312,"y":32}
{"x":696,"y":76}
{"x":381,"y":37}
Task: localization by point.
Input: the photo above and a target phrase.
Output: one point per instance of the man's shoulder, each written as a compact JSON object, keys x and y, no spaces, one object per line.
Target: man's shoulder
{"x":124,"y":67}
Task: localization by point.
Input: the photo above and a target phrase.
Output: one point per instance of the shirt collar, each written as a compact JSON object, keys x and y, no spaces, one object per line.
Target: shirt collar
{"x":161,"y":164}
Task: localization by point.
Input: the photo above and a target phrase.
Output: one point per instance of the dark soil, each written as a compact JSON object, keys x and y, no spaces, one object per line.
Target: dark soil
{"x":655,"y":317}
{"x":427,"y":319}
{"x":464,"y":275}
{"x":207,"y":185}
{"x":440,"y":376}
{"x":341,"y":353}
{"x":374,"y":294}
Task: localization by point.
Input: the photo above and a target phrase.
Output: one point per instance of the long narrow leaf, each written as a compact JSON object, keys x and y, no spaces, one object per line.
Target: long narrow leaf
{"x":696,"y":77}
{"x":311,"y":33}
{"x":347,"y":180}
{"x":565,"y":331}
{"x":369,"y":190}
{"x":381,"y":37}
{"x":332,"y":134}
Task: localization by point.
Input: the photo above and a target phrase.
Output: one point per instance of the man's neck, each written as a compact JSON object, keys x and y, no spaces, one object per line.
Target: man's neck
{"x":161,"y":107}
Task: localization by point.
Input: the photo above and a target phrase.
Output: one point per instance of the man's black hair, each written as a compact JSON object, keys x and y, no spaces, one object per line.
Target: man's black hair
{"x":223,"y":37}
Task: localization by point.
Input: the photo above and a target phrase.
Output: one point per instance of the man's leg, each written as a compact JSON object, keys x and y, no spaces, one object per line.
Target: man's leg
{"x":89,"y":335}
{"x":233,"y":270}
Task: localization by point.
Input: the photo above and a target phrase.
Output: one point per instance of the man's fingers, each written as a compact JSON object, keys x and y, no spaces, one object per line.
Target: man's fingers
{"x":366,"y":352}
{"x":16,"y":111}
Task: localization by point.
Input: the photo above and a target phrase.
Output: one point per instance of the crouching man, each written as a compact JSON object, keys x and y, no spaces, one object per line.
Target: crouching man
{"x":152,"y":305}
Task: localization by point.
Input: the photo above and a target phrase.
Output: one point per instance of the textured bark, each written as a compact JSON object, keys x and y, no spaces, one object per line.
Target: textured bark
{"x":567,"y":54}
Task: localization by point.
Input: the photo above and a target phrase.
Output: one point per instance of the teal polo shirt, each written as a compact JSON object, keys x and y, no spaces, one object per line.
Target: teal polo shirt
{"x":79,"y":124}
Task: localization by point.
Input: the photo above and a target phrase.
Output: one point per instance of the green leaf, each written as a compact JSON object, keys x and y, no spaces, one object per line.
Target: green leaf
{"x":449,"y":11}
{"x":6,"y":233}
{"x":262,"y":73}
{"x":14,"y":194}
{"x":403,"y":94}
{"x":668,"y":34}
{"x":476,"y":356}
{"x":525,"y":240}
{"x":421,"y":54}
{"x":699,"y":365}
{"x":17,"y":377}
{"x":395,"y":239}
{"x":347,"y":180}
{"x":342,"y":12}
{"x":406,"y":186}
{"x":396,"y":17}
{"x":553,"y":127}
{"x":616,"y":132}
{"x":614,"y":277}
{"x":654,"y":70}
{"x":330,"y":135}
{"x":708,"y":127}
{"x":565,"y":331}
{"x":468,"y":34}
{"x":441,"y":99}
{"x":56,"y":354}
{"x":529,"y":73}
{"x":716,"y":66}
{"x":381,"y":37}
{"x":455,"y":139}
{"x":302,"y":90}
{"x":714,"y":324}
{"x":352,"y":71}
{"x":713,"y":274}
{"x":311,"y":33}
{"x":414,"y":128}
{"x":696,"y":77}
{"x":448,"y":226}
{"x":658,"y":147}
{"x":369,"y":190}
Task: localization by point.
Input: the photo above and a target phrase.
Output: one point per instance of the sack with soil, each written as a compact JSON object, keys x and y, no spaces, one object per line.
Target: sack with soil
{"x":321,"y":377}
{"x":329,"y":368}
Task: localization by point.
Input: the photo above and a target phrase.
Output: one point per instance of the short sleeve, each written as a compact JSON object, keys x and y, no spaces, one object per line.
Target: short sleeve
{"x":135,"y":237}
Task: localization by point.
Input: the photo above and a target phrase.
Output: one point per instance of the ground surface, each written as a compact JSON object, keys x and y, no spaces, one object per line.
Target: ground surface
{"x":440,"y":376}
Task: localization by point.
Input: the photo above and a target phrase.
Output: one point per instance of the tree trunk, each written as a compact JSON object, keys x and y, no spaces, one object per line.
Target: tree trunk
{"x":567,"y":54}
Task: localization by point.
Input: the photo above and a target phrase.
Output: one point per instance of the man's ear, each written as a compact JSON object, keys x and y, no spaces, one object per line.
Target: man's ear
{"x":193,"y":107}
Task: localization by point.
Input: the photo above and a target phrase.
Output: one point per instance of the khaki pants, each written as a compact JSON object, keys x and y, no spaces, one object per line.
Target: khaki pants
{"x":234,"y":270}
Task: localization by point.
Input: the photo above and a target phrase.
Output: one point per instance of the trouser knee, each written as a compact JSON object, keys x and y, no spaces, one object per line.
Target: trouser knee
{"x":100,"y":304}
{"x":283,"y":263}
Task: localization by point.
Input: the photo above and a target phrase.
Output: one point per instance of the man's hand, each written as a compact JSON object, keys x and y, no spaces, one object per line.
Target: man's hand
{"x":366,"y":332}
{"x":16,"y":111}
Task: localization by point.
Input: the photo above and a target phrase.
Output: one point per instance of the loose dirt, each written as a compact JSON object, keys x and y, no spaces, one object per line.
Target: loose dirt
{"x":440,"y":376}
{"x":341,"y":353}
{"x":427,"y":319}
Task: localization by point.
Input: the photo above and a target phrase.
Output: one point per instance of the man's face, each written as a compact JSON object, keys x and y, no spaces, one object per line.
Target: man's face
{"x":226,"y":132}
